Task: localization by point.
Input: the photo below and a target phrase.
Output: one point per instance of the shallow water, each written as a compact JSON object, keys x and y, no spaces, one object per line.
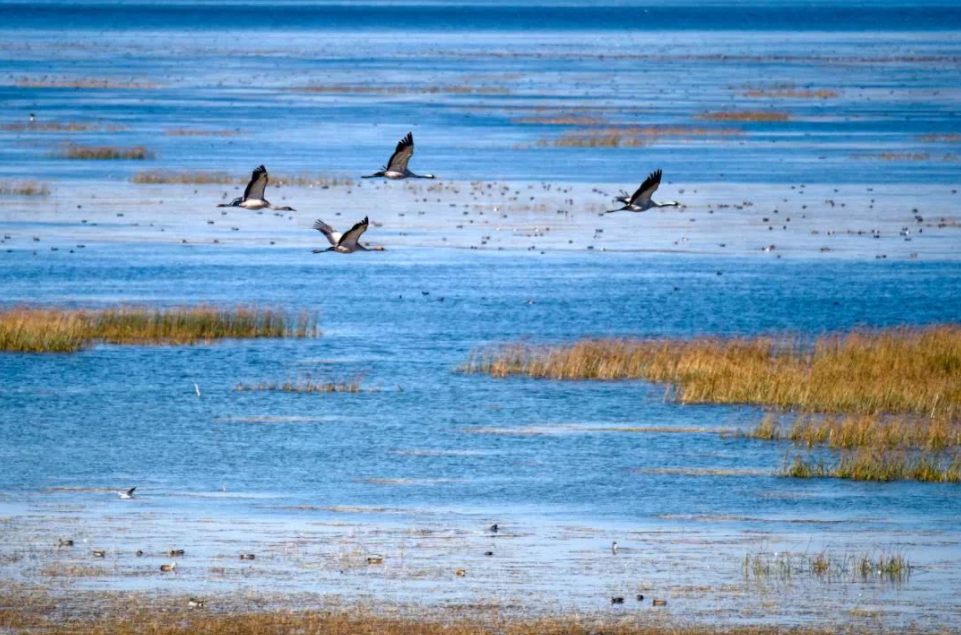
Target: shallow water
{"x":419,"y":466}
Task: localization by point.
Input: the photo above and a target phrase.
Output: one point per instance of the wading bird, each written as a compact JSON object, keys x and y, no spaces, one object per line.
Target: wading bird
{"x":126,"y":493}
{"x":347,"y":242}
{"x":396,"y":167}
{"x":253,"y":197}
{"x":641,"y":201}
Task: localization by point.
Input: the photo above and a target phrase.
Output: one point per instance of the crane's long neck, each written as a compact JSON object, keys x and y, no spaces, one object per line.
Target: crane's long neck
{"x":421,"y":176}
{"x":667,"y":204}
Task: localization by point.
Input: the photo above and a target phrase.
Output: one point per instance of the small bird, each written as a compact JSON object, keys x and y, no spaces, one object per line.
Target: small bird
{"x":176,"y":552}
{"x":641,"y":201}
{"x":99,"y":553}
{"x":126,"y":494}
{"x":64,"y":543}
{"x":33,"y":117}
{"x":375,"y":560}
{"x":640,"y":597}
{"x":247,"y":556}
{"x":460,"y":573}
{"x":488,"y":553}
{"x":657,"y":602}
{"x":253,"y":197}
{"x":168,"y":567}
{"x":614,"y":547}
{"x":494,"y":528}
{"x":196,"y":603}
{"x":139,"y":553}
{"x":617,"y":600}
{"x":396,"y":167}
{"x":346,"y":243}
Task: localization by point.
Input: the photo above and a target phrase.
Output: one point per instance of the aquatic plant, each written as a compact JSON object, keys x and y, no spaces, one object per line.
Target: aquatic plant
{"x":152,"y":177}
{"x":871,"y":464}
{"x":199,"y":132}
{"x":305,"y":387}
{"x":28,"y":330}
{"x":24,"y":188}
{"x":852,"y":431}
{"x":746,"y":115}
{"x":895,"y":370}
{"x":883,"y":566}
{"x":106,"y":153}
{"x":792,"y":94}
{"x":369,"y":89}
{"x":80,"y":82}
{"x":60,"y":126}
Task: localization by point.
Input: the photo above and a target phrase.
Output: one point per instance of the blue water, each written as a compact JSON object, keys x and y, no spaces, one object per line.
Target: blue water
{"x":468,"y":450}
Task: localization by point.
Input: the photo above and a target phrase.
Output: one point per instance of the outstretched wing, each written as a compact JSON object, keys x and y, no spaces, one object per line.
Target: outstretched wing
{"x":643,"y":194}
{"x":130,"y":491}
{"x":403,"y":153}
{"x":258,"y":183}
{"x":352,"y":235}
{"x":328,"y":231}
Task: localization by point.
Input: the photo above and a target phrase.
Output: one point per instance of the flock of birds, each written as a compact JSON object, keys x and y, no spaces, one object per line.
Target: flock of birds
{"x":347,"y":242}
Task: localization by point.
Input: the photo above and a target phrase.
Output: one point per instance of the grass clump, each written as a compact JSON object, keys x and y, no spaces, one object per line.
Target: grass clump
{"x":898,"y":370}
{"x":793,"y":94}
{"x":153,"y":177}
{"x":199,"y":132}
{"x":24,"y":188}
{"x":80,"y":82}
{"x":866,"y":430}
{"x":106,"y":153}
{"x":871,"y":464}
{"x":883,"y":566}
{"x":26,"y":330}
{"x":746,"y":115}
{"x":58,"y":126}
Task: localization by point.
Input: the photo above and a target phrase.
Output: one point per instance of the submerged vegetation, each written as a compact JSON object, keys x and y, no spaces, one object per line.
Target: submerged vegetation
{"x":153,"y":177}
{"x":27,"y":330}
{"x":746,"y":115}
{"x":305,"y":387}
{"x":630,"y":136}
{"x":106,"y":153}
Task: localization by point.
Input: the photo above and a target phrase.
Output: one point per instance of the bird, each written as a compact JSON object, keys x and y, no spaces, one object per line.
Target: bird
{"x":396,"y":167}
{"x":176,"y":552}
{"x":253,"y":197}
{"x":64,"y":543}
{"x":494,"y":528}
{"x":347,"y":242}
{"x":247,"y":556}
{"x":126,"y":494}
{"x":196,"y":603}
{"x":168,"y":567}
{"x":641,"y":201}
{"x":617,"y":600}
{"x":99,"y":553}
{"x":614,"y":547}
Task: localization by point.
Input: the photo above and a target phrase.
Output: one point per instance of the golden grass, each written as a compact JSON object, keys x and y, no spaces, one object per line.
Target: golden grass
{"x":27,"y":330}
{"x":304,"y":387}
{"x":896,"y":370}
{"x":887,"y":566}
{"x":24,"y":188}
{"x":792,"y":94}
{"x":153,"y":177}
{"x":865,"y":430}
{"x":870,"y":464}
{"x":746,"y":115}
{"x":106,"y":153}
{"x":80,"y":82}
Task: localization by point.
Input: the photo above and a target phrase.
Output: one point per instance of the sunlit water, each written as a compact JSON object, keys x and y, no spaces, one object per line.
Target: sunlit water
{"x":420,"y":464}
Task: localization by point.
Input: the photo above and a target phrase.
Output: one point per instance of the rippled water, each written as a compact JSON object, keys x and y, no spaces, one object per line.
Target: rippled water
{"x":315,"y":482}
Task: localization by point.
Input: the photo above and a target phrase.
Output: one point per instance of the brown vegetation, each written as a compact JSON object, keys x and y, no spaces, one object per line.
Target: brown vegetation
{"x":80,"y":82}
{"x":792,"y":94}
{"x":27,"y":330}
{"x":106,"y":153}
{"x":746,"y":115}
{"x":304,"y":387}
{"x":153,"y":177}
{"x":24,"y":188}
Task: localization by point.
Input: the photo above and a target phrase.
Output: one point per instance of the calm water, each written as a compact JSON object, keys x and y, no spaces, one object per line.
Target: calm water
{"x":435,"y":447}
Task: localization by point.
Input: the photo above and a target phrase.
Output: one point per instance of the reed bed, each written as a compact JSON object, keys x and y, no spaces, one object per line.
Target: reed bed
{"x":897,"y":370}
{"x":866,"y":430}
{"x":366,"y":89}
{"x":24,"y":188}
{"x":871,"y":464}
{"x":894,"y":156}
{"x":27,"y":330}
{"x":200,"y":132}
{"x":106,"y":153}
{"x":631,"y":136}
{"x":154,"y":177}
{"x":746,"y":115}
{"x":883,"y":566}
{"x":60,"y":126}
{"x":305,"y":387}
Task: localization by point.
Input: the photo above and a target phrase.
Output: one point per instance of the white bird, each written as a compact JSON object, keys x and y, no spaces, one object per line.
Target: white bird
{"x":614,"y":547}
{"x":641,"y":201}
{"x":126,"y":493}
{"x":347,"y":242}
{"x":396,"y":167}
{"x":253,"y":197}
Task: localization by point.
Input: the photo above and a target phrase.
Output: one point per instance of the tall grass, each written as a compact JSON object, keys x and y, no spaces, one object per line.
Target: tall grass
{"x":872,"y":464}
{"x":746,"y":115}
{"x":865,"y":430}
{"x":305,"y":387}
{"x":106,"y":153}
{"x":27,"y":330}
{"x":898,"y":370}
{"x":24,"y":188}
{"x":882,"y":566}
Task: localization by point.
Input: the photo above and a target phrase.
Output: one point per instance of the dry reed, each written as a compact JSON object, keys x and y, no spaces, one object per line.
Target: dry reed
{"x":27,"y":330}
{"x":865,"y":430}
{"x":792,"y":94}
{"x":897,"y":370}
{"x":106,"y":153}
{"x":870,"y":464}
{"x":153,"y":177}
{"x":81,"y":82}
